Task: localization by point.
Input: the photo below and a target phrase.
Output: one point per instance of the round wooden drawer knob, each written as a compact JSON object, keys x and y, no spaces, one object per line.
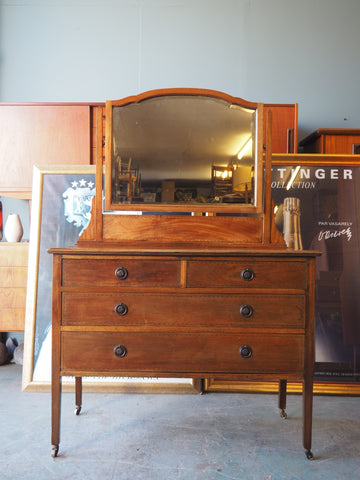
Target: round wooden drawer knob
{"x":247,"y":274}
{"x":120,"y":351}
{"x":245,"y":351}
{"x":246,"y":310}
{"x":121,"y":309}
{"x":121,"y":273}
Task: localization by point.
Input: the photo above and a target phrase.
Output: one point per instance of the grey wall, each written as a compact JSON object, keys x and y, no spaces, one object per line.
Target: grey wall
{"x":285,"y":51}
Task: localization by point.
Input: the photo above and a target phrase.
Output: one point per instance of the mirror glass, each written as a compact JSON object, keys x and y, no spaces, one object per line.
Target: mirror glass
{"x":183,"y":150}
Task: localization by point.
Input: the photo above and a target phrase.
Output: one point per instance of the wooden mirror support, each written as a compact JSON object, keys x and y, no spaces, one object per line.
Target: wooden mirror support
{"x":240,"y":215}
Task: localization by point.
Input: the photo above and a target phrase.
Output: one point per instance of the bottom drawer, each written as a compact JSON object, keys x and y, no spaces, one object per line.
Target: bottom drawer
{"x":165,"y":352}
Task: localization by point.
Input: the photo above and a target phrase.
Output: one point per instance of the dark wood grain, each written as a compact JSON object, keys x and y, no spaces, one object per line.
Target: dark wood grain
{"x":163,"y":352}
{"x":191,"y":309}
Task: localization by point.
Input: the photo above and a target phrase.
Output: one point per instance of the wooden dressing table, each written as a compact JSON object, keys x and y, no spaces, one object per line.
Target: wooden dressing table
{"x":197,"y":286}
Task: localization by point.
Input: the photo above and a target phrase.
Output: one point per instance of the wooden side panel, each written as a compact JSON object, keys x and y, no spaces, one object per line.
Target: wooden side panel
{"x":285,"y":127}
{"x":315,"y":146}
{"x":40,"y":134}
{"x":332,"y":141}
{"x":94,"y":131}
{"x":14,"y":254}
{"x":340,"y":143}
{"x":183,"y":229}
{"x":13,"y":278}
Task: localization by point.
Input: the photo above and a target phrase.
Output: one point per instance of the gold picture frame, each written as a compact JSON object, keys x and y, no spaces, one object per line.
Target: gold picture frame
{"x":156,"y":385}
{"x":54,"y":224}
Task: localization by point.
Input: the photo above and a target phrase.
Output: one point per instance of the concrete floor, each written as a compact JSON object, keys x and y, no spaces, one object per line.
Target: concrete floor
{"x":174,"y":437}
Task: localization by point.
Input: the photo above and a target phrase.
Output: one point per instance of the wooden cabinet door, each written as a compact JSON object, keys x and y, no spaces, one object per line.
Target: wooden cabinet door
{"x":40,"y":134}
{"x":284,"y":127}
{"x":332,"y":141}
{"x":13,"y":278}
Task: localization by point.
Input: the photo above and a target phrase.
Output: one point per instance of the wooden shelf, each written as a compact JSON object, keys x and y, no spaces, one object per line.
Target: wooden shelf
{"x":13,"y":278}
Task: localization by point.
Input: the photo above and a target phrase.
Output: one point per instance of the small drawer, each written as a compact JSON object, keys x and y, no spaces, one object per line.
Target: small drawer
{"x":124,"y":353}
{"x":246,"y":273}
{"x":120,"y":272}
{"x":244,"y":310}
{"x":241,"y":310}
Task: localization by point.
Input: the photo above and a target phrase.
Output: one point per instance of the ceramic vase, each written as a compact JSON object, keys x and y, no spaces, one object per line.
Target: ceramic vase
{"x":13,"y":230}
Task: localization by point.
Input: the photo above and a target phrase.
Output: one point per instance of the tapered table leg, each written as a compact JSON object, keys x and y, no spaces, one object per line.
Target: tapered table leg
{"x":78,"y":395}
{"x":307,"y":416}
{"x":282,"y":398}
{"x":55,"y":413}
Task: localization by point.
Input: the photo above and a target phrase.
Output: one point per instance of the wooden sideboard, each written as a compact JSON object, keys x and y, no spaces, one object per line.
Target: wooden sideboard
{"x":13,"y":278}
{"x":241,"y":314}
{"x":42,"y":134}
{"x":332,"y":141}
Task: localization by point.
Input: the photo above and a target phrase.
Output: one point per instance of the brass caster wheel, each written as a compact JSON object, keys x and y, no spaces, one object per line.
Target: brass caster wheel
{"x":283,"y":414}
{"x":54,"y":451}
{"x":309,"y":454}
{"x":77,"y":409}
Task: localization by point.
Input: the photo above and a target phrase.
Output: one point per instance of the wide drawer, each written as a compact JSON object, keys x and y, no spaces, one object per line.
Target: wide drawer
{"x":124,"y":353}
{"x":120,"y":272}
{"x":246,"y":273}
{"x":243,"y":310}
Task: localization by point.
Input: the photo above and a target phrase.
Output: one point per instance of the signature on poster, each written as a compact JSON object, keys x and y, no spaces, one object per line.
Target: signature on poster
{"x":330,"y":233}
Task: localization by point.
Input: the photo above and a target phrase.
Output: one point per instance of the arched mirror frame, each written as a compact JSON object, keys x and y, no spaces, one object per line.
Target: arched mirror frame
{"x":255,"y":207}
{"x":223,"y":226}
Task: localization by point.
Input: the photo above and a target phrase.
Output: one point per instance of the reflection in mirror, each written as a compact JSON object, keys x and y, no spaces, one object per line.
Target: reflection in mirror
{"x":183,"y":149}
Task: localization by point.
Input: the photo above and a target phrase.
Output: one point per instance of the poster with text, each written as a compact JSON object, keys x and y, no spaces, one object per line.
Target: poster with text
{"x":327,"y":208}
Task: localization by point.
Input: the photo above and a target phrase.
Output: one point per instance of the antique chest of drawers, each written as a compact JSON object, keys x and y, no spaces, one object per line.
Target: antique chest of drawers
{"x":238,"y":314}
